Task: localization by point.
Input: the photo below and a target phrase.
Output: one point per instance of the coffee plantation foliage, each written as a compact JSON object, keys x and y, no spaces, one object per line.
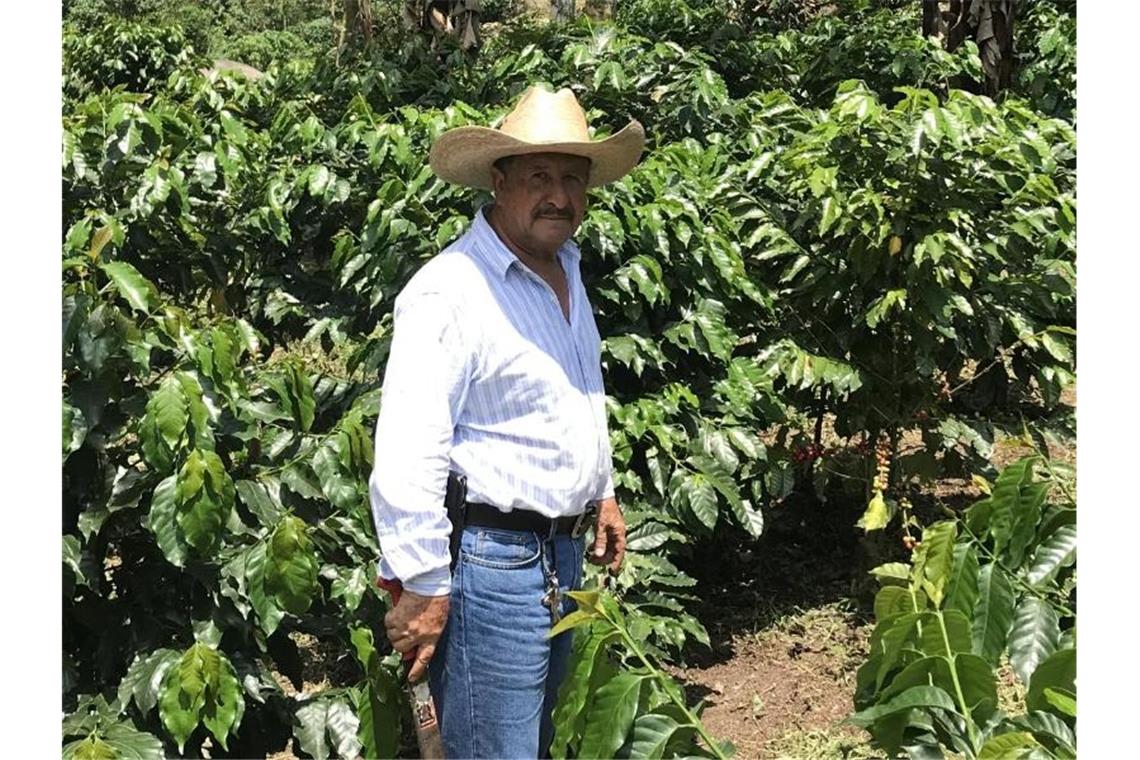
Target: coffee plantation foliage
{"x":819,"y":227}
{"x":997,"y":585}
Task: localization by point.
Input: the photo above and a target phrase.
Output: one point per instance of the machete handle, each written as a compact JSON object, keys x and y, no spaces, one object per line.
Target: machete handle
{"x":395,"y":589}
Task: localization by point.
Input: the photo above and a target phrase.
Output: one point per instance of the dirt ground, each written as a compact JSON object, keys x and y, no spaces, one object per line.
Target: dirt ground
{"x":789,"y":618}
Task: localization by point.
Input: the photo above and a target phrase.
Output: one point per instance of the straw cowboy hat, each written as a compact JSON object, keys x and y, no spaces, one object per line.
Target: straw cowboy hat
{"x":542,"y":122}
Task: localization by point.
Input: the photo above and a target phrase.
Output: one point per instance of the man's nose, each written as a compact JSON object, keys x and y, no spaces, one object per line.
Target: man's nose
{"x":559,"y":196}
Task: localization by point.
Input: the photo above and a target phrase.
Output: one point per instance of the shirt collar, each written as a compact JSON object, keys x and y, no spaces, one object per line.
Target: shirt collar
{"x":496,"y":252}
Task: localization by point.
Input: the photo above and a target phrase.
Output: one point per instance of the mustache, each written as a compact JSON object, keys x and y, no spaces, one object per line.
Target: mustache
{"x":553,"y":212}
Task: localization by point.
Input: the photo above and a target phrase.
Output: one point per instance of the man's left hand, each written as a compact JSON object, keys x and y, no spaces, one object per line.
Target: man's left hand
{"x":609,"y":536}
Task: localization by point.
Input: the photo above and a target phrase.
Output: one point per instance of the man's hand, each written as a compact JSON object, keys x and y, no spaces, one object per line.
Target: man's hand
{"x":416,"y":621}
{"x":609,"y":536}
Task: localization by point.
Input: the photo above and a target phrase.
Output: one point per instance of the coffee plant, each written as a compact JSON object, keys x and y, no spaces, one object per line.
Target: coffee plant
{"x":813,"y":232}
{"x":996,"y":585}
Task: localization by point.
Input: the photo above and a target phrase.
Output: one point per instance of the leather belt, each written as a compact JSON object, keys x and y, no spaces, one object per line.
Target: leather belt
{"x":487,"y":516}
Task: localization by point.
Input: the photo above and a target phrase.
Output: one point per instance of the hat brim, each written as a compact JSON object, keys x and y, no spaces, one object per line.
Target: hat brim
{"x":464,"y":155}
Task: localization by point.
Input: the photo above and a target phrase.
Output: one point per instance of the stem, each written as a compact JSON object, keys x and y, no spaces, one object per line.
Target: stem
{"x":694,"y":721}
{"x":1002,"y":354}
{"x":818,"y":438}
{"x":971,"y":729}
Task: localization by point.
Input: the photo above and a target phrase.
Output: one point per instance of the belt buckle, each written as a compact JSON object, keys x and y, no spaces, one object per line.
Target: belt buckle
{"x":580,"y":524}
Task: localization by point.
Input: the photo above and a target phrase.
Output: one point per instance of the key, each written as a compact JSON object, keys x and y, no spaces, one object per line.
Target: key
{"x":553,"y":599}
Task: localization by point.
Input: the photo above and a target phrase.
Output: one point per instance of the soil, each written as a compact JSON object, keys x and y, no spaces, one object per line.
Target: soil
{"x":789,"y":618}
{"x":795,"y":678}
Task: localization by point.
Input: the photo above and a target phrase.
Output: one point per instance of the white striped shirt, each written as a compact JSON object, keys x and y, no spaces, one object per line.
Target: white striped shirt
{"x":485,"y":377}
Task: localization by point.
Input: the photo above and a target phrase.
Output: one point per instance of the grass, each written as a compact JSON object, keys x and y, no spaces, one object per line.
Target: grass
{"x":834,"y":743}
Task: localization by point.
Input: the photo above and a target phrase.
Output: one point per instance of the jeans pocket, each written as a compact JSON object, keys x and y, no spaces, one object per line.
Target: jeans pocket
{"x":502,"y":549}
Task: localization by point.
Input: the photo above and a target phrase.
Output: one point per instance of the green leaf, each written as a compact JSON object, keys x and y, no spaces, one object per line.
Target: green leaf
{"x":318,"y":180}
{"x":979,"y":685}
{"x":269,"y":613}
{"x":222,"y":715}
{"x":945,"y":633}
{"x":710,"y":318}
{"x":339,"y":489}
{"x":916,"y":697}
{"x":701,"y":497}
{"x":161,"y":521}
{"x":291,"y":567}
{"x":587,"y":664}
{"x":652,"y":734}
{"x":203,"y":437}
{"x":780,"y":481}
{"x":137,"y":290}
{"x":715,"y":443}
{"x":891,"y":573}
{"x":1062,"y":700}
{"x":1059,"y":672}
{"x":746,"y":442}
{"x":647,"y":536}
{"x":750,"y":518}
{"x":937,"y":558}
{"x":1006,"y":501}
{"x":962,"y":586}
{"x":118,"y":741}
{"x":201,"y":687}
{"x":993,"y":613}
{"x":310,"y":727}
{"x":343,"y":726}
{"x":571,"y":621}
{"x":892,"y":602}
{"x":166,"y":414}
{"x":205,"y":500}
{"x":144,"y":677}
{"x":830,"y":210}
{"x":79,"y":563}
{"x":1048,"y":726}
{"x":1057,"y":348}
{"x":611,"y":715}
{"x":351,"y":587}
{"x":888,"y":641}
{"x":721,"y":479}
{"x":179,"y":704}
{"x":1011,"y":746}
{"x":319,"y":720}
{"x":1035,"y":635}
{"x":1055,"y":552}
{"x":379,"y":705}
{"x":265,"y":504}
{"x":882,"y":306}
{"x":74,"y":429}
{"x":301,"y":399}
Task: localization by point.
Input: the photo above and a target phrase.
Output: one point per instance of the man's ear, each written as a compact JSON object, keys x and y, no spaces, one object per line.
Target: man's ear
{"x":498,"y":179}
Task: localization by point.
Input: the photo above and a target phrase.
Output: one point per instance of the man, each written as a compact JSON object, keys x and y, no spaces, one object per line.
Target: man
{"x":494,"y":374}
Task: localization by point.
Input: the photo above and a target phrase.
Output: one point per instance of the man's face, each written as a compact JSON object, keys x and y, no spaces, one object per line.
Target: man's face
{"x":541,"y":199}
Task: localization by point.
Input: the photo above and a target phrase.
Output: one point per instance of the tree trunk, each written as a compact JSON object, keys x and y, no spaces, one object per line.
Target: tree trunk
{"x":356,"y":26}
{"x":599,"y":9}
{"x":989,"y":23}
{"x":555,"y":10}
{"x":445,"y":18}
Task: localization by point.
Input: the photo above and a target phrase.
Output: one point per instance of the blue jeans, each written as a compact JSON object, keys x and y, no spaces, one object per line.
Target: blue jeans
{"x":495,"y":675}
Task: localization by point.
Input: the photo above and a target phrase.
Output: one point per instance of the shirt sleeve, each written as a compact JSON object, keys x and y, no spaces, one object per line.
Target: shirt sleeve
{"x":607,"y":490}
{"x":425,"y":385}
